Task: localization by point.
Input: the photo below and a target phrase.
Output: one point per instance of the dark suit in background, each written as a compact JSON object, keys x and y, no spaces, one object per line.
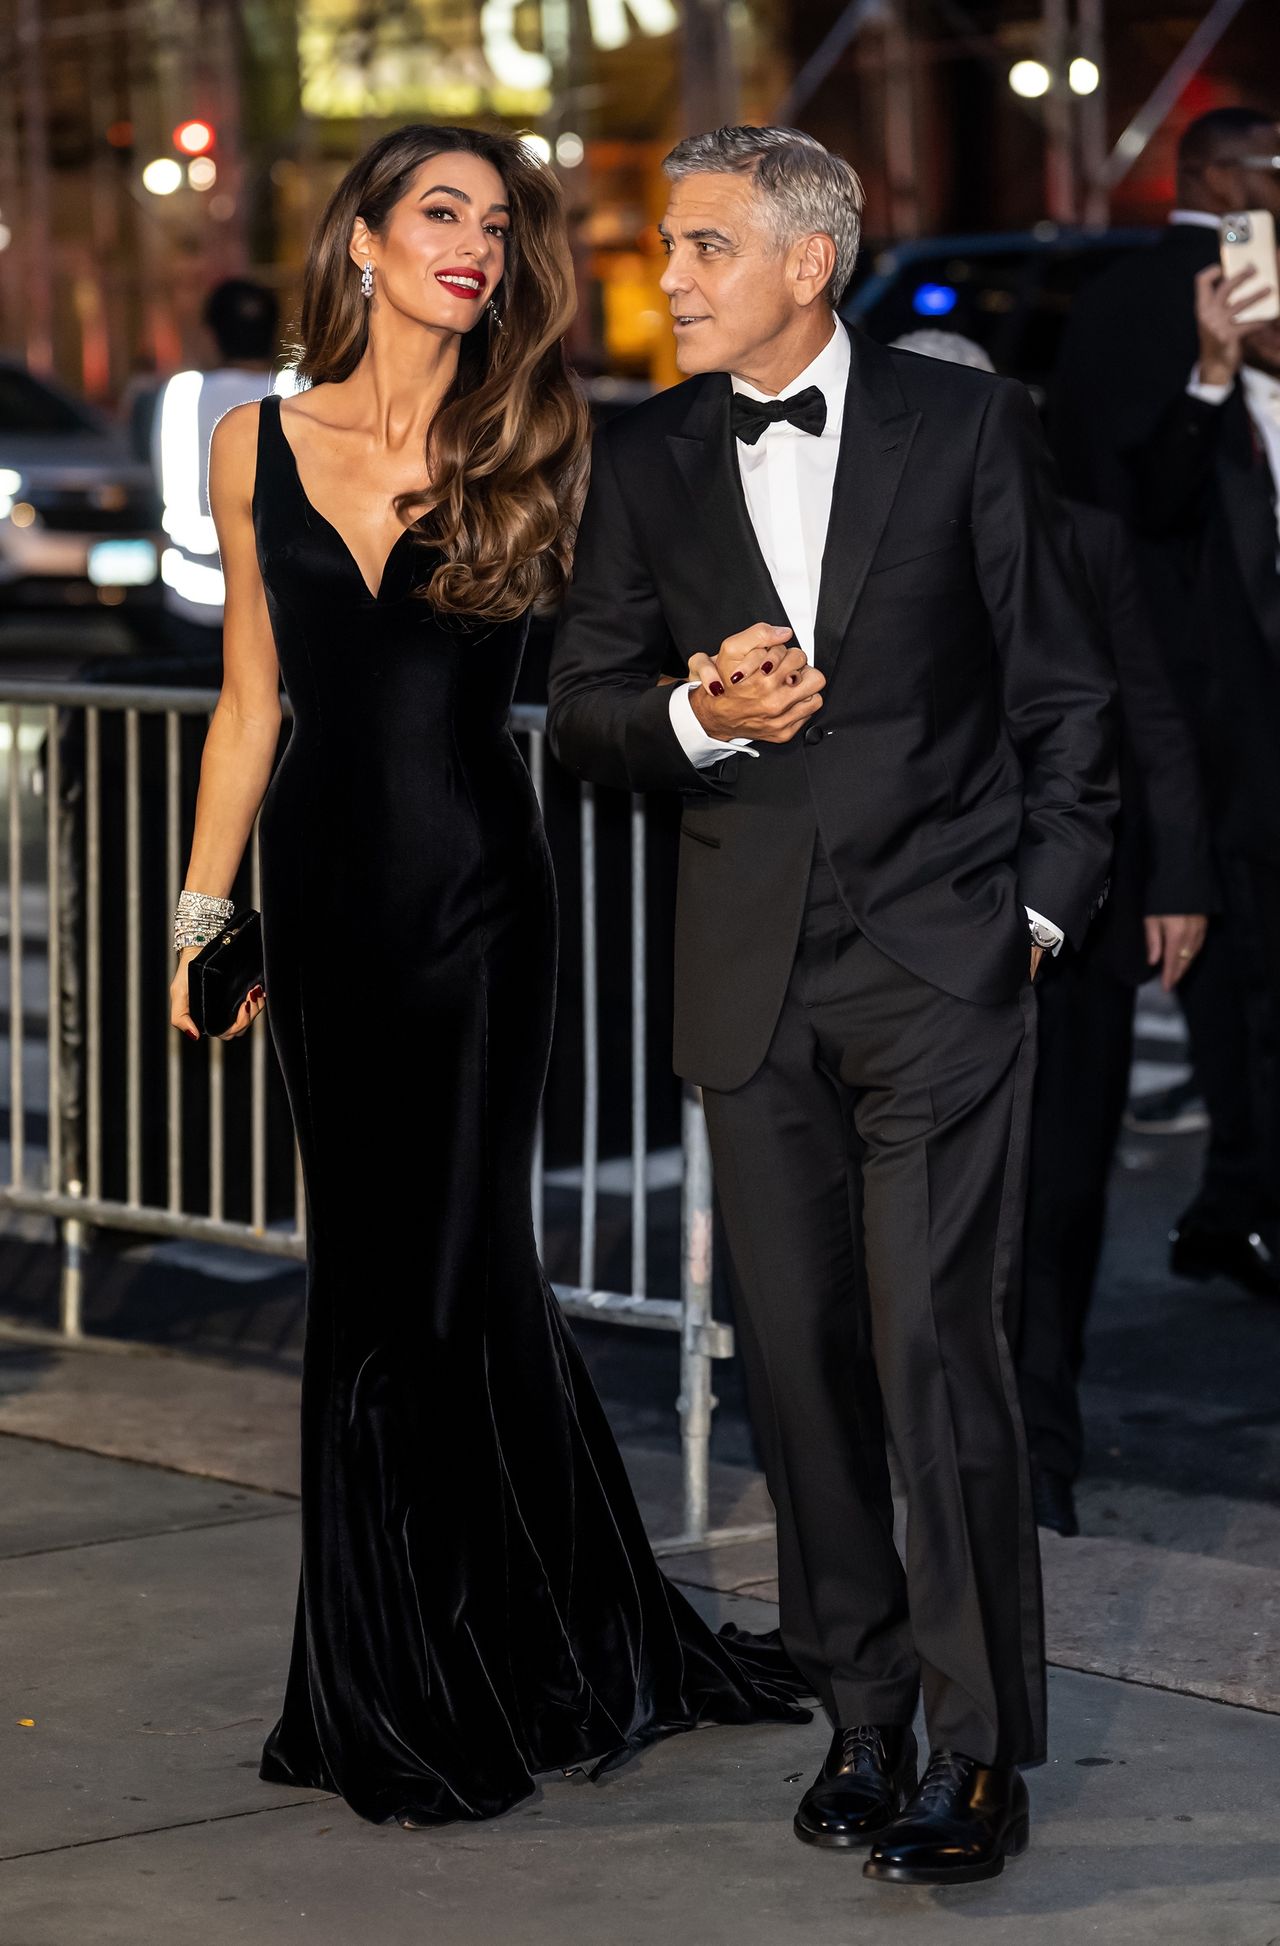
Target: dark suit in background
{"x":852,"y":982}
{"x":1203,"y":487}
{"x":1130,"y":348}
{"x":1162,"y":864}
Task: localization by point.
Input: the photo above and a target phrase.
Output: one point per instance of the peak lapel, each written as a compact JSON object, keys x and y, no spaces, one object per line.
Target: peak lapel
{"x":875,"y":439}
{"x":703,"y":452}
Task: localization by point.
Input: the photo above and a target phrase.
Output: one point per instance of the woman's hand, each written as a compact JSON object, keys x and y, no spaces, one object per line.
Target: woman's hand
{"x":180,"y":1008}
{"x":757,"y":687}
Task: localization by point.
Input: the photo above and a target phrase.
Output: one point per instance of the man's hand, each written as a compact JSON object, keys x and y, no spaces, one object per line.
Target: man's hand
{"x":1220,"y":301}
{"x":756,"y":687}
{"x":1173,"y":940}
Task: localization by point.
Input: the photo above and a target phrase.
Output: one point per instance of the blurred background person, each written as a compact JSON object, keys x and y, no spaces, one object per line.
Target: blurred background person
{"x":1129,"y":349}
{"x":1153,"y":921}
{"x":243,"y":320}
{"x":1206,"y":485}
{"x":1130,"y":339}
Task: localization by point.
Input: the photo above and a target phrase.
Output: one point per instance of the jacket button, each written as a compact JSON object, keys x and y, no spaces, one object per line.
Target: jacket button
{"x":813,"y":734}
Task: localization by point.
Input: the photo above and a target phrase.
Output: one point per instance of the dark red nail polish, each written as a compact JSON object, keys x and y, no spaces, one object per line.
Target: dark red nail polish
{"x":717,"y":688}
{"x":190,"y":1036}
{"x":766,"y":668}
{"x":737,"y":675}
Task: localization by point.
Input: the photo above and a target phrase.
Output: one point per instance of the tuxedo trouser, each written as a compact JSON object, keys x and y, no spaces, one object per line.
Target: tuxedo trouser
{"x":871,"y":1177}
{"x":1085,"y":1038}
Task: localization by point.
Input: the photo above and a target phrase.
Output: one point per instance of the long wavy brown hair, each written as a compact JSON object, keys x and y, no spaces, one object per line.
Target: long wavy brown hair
{"x":506,"y":453}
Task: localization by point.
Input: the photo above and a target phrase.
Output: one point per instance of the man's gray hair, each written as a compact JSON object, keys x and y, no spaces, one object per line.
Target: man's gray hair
{"x":803,"y":186}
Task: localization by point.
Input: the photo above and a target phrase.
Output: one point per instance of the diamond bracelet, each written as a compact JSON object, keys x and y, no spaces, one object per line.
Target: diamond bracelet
{"x":199,"y":919}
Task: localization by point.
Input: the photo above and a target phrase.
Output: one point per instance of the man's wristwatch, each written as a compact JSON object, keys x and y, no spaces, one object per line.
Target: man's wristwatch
{"x":1044,"y":935}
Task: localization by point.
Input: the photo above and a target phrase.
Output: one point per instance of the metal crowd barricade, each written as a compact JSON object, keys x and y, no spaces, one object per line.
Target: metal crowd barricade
{"x":66,"y":1183}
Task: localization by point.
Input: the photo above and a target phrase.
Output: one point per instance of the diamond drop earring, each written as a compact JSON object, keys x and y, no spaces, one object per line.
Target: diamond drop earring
{"x":366,"y":280}
{"x":495,"y":315}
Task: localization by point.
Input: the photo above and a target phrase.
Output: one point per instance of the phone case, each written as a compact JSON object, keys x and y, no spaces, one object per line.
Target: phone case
{"x":1248,"y":242}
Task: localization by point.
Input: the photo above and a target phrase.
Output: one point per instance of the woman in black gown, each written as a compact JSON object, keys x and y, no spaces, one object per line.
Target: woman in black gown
{"x":478,"y":1600}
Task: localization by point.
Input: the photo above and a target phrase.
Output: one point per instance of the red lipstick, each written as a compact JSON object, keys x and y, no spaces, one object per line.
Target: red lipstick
{"x":463,"y":281}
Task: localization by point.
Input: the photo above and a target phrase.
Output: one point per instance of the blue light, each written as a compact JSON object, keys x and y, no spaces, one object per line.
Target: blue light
{"x":934,"y":300}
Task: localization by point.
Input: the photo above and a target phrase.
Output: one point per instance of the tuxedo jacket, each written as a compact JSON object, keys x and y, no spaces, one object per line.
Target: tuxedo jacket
{"x":962,"y":766}
{"x":1204,"y":490}
{"x":1163,"y":858}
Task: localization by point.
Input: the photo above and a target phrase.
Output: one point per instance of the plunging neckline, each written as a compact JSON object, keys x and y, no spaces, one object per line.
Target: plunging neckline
{"x":374,"y":594}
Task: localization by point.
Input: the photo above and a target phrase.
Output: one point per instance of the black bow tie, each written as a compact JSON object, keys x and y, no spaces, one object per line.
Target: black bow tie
{"x":807,"y":410}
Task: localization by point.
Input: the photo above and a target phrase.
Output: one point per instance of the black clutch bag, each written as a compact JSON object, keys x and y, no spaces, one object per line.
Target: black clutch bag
{"x":223,"y":973}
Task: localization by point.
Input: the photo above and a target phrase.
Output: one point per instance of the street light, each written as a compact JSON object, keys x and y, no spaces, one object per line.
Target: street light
{"x":1030,"y":79}
{"x":162,"y":176}
{"x":202,"y":172}
{"x":1083,"y":76}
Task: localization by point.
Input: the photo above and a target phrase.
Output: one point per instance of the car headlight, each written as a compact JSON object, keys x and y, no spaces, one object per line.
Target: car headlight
{"x":10,"y":488}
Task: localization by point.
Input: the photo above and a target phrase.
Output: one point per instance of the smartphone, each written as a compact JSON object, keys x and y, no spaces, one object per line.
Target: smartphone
{"x":1247,"y":241}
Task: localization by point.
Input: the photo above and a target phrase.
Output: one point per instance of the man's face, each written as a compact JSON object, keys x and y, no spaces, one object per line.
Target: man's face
{"x":726,"y":278}
{"x":1261,"y":185}
{"x":1240,"y":179}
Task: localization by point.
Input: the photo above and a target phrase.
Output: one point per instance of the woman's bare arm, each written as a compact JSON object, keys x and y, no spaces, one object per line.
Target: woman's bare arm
{"x":240,"y":748}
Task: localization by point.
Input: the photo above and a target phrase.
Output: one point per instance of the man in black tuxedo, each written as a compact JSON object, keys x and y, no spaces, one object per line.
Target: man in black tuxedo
{"x":897,"y":761}
{"x":1130,"y":346}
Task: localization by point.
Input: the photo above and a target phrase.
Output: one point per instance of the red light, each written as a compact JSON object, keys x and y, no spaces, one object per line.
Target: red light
{"x":120,"y":135}
{"x":193,"y":138}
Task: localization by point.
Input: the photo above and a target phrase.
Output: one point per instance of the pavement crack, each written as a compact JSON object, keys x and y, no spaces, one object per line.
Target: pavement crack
{"x":158,"y":1830}
{"x":150,"y":1534}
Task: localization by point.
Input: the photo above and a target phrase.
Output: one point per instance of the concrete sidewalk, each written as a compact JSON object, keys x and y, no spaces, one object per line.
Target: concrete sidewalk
{"x":146,"y":1614}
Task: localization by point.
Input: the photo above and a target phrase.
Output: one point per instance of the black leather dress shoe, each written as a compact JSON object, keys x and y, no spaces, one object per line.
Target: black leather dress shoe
{"x":1242,"y":1258}
{"x":961,"y":1825}
{"x":869,"y":1774}
{"x":1054,"y":1502}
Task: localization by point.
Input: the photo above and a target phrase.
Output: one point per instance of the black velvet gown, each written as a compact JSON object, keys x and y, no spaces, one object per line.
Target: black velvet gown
{"x":478,"y":1601}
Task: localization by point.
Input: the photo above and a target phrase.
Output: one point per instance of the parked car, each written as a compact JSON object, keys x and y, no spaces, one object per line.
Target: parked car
{"x":1010,"y":292}
{"x":79,"y":520}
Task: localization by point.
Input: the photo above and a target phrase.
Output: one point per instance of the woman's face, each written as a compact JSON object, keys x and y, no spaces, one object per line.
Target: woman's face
{"x":443,"y":250}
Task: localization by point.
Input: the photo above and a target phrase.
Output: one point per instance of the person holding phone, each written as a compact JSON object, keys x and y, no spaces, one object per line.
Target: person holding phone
{"x":1206,"y":483}
{"x":1131,"y":345}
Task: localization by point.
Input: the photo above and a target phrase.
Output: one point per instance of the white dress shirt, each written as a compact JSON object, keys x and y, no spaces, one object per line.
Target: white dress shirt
{"x":1197,"y":219}
{"x":788,"y":478}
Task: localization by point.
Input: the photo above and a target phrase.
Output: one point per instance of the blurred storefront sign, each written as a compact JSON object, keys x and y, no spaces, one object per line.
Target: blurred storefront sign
{"x":449,"y":59}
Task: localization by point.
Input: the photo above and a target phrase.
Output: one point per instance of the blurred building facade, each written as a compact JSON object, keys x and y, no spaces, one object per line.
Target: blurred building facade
{"x":102,"y":276}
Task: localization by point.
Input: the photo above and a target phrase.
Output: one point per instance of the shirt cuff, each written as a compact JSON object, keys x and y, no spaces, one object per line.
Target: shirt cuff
{"x":1208,"y":394}
{"x":701,"y":750}
{"x":1038,"y":919}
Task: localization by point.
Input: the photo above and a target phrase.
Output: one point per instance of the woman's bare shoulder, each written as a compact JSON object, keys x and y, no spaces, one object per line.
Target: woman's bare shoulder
{"x":233,"y":449}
